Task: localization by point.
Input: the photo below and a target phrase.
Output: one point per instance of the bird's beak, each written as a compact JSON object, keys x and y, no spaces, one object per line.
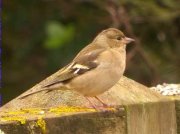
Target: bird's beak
{"x":127,"y":40}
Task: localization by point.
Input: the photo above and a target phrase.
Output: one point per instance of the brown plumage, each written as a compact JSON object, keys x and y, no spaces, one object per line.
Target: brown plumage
{"x":96,"y":68}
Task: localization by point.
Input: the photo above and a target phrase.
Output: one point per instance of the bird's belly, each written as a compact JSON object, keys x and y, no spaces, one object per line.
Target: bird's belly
{"x":94,"y":83}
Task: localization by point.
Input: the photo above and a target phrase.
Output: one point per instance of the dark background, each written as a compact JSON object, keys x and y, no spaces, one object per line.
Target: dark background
{"x":41,"y":36}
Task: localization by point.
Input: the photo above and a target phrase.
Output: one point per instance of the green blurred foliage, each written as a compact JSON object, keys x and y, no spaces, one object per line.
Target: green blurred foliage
{"x":58,"y":35}
{"x":40,"y":37}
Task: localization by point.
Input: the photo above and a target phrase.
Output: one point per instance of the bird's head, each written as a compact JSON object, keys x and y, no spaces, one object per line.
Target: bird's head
{"x":113,"y":38}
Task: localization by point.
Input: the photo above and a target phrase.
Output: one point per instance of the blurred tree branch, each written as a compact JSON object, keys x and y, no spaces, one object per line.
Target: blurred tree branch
{"x":120,"y":17}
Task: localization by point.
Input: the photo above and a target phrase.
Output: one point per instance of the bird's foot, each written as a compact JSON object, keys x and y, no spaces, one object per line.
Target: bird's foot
{"x":103,"y":103}
{"x":104,"y":106}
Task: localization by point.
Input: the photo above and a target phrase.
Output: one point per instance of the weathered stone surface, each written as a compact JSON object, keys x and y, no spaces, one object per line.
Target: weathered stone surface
{"x":82,"y":123}
{"x":146,"y":112}
{"x":125,"y":92}
{"x":177,"y":103}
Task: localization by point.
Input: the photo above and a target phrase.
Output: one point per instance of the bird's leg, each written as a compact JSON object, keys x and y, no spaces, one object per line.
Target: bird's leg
{"x":104,"y":108}
{"x":104,"y":104}
{"x":92,"y":104}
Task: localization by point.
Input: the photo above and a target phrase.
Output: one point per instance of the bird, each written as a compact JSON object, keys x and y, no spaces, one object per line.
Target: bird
{"x":95,"y":69}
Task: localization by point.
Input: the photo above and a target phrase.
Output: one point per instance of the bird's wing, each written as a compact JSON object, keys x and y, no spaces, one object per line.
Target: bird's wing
{"x":78,"y":66}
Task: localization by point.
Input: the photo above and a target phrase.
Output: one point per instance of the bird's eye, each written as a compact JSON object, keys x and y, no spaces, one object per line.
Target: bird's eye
{"x":118,"y":38}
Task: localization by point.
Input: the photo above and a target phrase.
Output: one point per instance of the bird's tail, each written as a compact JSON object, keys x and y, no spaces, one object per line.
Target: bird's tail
{"x":44,"y":88}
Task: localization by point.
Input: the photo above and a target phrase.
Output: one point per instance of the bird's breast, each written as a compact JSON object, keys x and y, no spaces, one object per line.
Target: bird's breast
{"x":107,"y":74}
{"x":115,"y":60}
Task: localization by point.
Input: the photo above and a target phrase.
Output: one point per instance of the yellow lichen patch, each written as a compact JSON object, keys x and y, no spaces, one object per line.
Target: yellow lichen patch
{"x":23,"y":114}
{"x":20,"y":115}
{"x":60,"y":110}
{"x":33,"y":110}
{"x":22,"y":120}
{"x":15,"y":112}
{"x":42,"y":124}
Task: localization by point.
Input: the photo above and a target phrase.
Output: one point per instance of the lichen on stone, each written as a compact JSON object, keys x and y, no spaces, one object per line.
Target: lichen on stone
{"x":33,"y":110}
{"x":42,"y":124}
{"x":64,"y":109}
{"x":20,"y":119}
